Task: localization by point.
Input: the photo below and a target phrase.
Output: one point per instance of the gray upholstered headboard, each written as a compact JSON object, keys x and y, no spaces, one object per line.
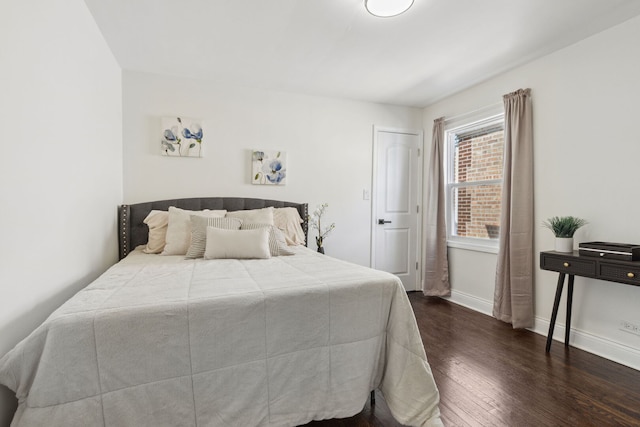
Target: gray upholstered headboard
{"x":132,"y":231}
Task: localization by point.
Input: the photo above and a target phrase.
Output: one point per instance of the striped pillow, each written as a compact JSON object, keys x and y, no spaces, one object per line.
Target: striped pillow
{"x":199,"y":226}
{"x":277,"y":243}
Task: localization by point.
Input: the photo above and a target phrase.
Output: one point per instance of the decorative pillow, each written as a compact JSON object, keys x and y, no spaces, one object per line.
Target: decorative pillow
{"x":277,"y":244}
{"x":157,"y":222}
{"x":237,"y":244}
{"x":288,"y":220}
{"x":199,"y":226}
{"x":261,"y":216}
{"x":179,"y":229}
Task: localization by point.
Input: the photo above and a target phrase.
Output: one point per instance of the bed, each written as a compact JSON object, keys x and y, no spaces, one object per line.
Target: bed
{"x":168,"y":341}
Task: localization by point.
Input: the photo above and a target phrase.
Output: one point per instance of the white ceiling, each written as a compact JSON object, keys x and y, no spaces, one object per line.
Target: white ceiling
{"x":335,"y":48}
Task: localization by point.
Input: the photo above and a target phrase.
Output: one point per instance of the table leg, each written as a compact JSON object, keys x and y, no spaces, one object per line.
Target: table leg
{"x":554,"y":313}
{"x":569,"y":302}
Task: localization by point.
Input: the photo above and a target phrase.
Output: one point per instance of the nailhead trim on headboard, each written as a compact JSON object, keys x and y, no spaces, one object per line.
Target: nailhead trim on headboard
{"x":123,"y":243}
{"x":305,"y":223}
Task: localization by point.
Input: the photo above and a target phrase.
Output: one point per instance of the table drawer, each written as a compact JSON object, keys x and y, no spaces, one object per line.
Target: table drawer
{"x":569,"y":265}
{"x":619,"y":273}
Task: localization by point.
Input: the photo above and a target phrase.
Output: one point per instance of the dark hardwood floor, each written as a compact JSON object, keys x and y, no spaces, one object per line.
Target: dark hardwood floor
{"x":491,"y":375}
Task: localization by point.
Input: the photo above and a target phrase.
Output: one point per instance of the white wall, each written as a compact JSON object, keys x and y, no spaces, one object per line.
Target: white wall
{"x":587,"y":148}
{"x":328,"y":144}
{"x":61,"y":162}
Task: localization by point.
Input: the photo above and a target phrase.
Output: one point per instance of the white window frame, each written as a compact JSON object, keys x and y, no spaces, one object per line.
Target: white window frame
{"x":451,"y":129}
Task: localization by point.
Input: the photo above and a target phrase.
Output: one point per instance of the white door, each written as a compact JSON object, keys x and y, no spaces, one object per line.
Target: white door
{"x":397,"y":177}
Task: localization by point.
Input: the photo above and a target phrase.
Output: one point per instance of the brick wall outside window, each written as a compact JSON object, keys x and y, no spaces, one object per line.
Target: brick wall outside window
{"x":479,"y":158}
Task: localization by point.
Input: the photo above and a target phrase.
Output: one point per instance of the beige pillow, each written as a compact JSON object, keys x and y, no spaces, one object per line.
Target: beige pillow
{"x":157,"y":222}
{"x":237,"y":244}
{"x":199,"y":226}
{"x":261,"y":216}
{"x":277,"y":244}
{"x":179,"y":229}
{"x":288,"y":220}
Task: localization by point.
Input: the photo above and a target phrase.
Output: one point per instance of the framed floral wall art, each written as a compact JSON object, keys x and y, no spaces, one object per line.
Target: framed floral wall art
{"x":181,"y":137}
{"x":269,"y":167}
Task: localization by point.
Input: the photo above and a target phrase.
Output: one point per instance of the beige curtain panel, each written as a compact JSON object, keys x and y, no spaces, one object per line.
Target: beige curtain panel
{"x":513,"y":297}
{"x":436,"y":272}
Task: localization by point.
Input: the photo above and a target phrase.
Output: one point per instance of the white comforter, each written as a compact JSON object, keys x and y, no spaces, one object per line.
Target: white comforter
{"x":163,"y":341}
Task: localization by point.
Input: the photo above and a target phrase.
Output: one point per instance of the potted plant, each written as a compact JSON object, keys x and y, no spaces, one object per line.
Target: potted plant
{"x":563,"y":227}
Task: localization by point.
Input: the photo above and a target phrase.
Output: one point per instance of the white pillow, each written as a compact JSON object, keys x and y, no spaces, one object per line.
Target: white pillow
{"x":179,"y":229}
{"x":288,"y":220}
{"x":277,"y":243}
{"x":237,"y":244}
{"x":157,"y":222}
{"x":261,"y":216}
{"x":199,"y":226}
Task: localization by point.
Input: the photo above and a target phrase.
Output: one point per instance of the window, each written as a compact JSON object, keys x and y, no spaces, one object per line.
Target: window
{"x":473,"y":173}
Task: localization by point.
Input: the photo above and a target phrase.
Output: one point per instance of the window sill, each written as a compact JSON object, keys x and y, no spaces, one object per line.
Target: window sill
{"x":473,"y":246}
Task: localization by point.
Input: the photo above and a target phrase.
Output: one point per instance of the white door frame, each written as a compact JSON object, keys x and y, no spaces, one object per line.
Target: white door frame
{"x":419,"y":187}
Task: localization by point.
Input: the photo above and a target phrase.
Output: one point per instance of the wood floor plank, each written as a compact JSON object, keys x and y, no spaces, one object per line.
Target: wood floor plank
{"x":491,"y":375}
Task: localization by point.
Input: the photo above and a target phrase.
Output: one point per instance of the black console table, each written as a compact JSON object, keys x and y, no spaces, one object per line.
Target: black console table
{"x":572,"y":264}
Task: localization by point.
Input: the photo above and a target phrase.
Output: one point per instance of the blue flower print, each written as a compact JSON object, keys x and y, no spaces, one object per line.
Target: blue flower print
{"x":273,"y":171}
{"x":166,"y":146}
{"x":194,"y":133}
{"x":169,"y":136}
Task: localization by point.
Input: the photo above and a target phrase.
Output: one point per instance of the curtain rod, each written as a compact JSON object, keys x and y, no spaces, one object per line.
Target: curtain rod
{"x":478,"y":110}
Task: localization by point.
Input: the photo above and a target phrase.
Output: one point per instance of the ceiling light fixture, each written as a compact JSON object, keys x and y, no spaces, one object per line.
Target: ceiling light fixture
{"x":387,"y":8}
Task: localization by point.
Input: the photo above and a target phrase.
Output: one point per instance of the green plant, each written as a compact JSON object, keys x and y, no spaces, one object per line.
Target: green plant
{"x":564,"y":226}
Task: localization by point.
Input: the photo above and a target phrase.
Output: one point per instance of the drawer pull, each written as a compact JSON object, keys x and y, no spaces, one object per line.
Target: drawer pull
{"x":566,"y":264}
{"x":631,"y":275}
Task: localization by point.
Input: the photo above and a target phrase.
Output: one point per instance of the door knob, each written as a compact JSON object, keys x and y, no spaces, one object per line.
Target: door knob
{"x":382,"y":221}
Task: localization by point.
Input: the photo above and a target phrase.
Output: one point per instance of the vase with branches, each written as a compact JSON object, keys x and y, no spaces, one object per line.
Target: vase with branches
{"x":315,"y":222}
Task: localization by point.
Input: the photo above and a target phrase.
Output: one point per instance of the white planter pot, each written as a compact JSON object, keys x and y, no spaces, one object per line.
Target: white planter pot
{"x":564,"y":244}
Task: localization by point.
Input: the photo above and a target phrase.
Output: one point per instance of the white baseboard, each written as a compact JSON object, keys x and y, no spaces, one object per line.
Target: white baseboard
{"x":472,"y":302}
{"x":600,"y":346}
